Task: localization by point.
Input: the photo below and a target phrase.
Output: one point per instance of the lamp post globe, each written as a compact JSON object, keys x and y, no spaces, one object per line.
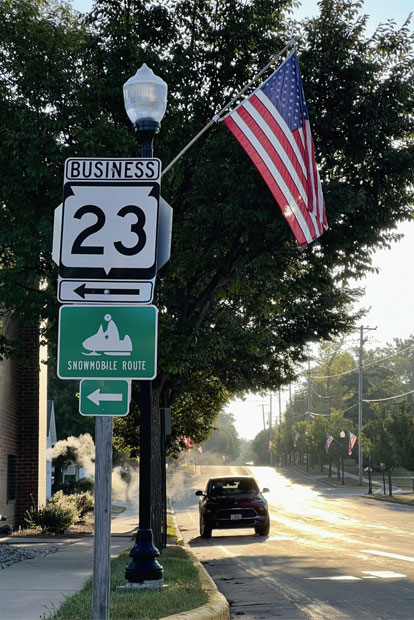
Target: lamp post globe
{"x":145,"y":98}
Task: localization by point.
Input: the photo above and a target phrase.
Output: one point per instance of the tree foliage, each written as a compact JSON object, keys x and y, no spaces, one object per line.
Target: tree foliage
{"x":225,"y":440}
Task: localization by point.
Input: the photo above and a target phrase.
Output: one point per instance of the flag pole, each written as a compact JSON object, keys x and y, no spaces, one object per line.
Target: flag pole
{"x":216,"y":117}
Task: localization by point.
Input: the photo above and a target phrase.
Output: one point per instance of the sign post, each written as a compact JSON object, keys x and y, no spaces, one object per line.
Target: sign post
{"x":102,"y":511}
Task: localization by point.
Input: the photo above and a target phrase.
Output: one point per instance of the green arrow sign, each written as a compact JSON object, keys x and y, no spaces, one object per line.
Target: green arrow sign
{"x":99,"y":397}
{"x":107,"y":342}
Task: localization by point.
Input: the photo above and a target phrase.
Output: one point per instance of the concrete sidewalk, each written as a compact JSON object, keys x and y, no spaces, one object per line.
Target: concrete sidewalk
{"x":32,"y":589}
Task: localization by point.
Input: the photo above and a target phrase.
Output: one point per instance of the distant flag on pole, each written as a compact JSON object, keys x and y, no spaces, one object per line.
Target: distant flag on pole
{"x":272,"y":125}
{"x":352,"y":441}
{"x":295,"y":438}
{"x":329,"y":440}
{"x":200,"y":449}
{"x":270,"y":446}
{"x":223,"y":458}
{"x":186,"y":441}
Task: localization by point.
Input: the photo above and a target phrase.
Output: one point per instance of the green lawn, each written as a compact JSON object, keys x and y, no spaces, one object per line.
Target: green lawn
{"x":183,"y":592}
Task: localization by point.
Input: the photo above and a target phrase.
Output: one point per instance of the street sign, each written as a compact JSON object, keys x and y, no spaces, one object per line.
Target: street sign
{"x":99,"y":397}
{"x":109,"y":224}
{"x":107,"y":342}
{"x":92,"y":291}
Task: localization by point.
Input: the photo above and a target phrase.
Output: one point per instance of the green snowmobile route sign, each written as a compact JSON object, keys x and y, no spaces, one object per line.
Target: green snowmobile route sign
{"x":107,"y":342}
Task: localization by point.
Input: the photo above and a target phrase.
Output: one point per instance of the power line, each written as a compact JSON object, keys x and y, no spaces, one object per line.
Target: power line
{"x":379,"y":400}
{"x":347,"y":372}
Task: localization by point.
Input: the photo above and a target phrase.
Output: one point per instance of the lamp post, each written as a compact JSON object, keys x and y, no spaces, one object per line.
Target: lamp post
{"x":145,"y":97}
{"x":382,"y":467}
{"x":342,"y":436}
{"x":369,"y":475}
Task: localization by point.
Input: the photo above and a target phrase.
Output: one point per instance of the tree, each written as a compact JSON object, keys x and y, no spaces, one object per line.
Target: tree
{"x":235,"y":298}
{"x":225,"y":439}
{"x":376,"y":442}
{"x":260,"y":447}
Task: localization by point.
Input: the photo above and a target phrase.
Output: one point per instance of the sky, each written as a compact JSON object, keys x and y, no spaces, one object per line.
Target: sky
{"x":389,"y":295}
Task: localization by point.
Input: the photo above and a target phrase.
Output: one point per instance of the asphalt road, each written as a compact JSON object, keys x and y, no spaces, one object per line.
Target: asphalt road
{"x":331,"y":554}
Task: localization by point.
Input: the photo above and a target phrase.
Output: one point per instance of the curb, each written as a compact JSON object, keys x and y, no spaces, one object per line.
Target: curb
{"x":389,"y":500}
{"x":217,"y":607}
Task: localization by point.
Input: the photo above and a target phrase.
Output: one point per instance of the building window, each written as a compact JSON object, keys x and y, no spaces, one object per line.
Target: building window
{"x":11,"y":477}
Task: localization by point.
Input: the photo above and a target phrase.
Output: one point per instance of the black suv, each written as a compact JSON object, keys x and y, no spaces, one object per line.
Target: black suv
{"x":233,"y":502}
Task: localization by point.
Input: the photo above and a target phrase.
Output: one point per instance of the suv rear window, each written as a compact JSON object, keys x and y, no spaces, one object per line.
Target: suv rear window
{"x":232,"y":486}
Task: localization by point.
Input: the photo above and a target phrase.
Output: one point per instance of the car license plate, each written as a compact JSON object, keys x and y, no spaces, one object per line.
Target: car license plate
{"x":235,"y":516}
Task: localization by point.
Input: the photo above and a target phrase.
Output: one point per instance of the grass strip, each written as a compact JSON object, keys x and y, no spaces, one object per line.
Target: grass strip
{"x":116,"y":510}
{"x":183,"y":593}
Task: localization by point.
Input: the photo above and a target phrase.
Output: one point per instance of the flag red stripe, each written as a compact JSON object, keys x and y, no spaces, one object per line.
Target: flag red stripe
{"x":280,"y":164}
{"x":281,"y":136}
{"x":283,"y":169}
{"x":268,"y":178}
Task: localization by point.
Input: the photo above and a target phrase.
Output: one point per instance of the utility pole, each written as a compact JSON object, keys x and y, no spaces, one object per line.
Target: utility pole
{"x":270,"y":432}
{"x":309,"y":408}
{"x":361,"y":353}
{"x":280,"y":408}
{"x":290,"y":400}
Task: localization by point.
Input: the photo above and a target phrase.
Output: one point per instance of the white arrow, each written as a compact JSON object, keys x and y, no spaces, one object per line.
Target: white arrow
{"x":96,"y":397}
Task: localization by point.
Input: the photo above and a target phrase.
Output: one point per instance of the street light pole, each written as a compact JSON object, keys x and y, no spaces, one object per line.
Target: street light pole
{"x":369,"y":475}
{"x":361,"y":351}
{"x":342,"y":436}
{"x":361,"y":342}
{"x":145,"y":97}
{"x":309,"y":408}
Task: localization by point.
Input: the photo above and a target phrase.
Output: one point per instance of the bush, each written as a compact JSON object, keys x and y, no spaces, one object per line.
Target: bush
{"x":84,"y":502}
{"x":61,"y":512}
{"x":50,"y":518}
{"x":86,"y":484}
{"x":78,"y":503}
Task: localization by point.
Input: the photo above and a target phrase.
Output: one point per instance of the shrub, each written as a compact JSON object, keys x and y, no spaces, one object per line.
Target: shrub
{"x":84,"y":502}
{"x":79,"y":503}
{"x":50,"y":518}
{"x":86,"y":484}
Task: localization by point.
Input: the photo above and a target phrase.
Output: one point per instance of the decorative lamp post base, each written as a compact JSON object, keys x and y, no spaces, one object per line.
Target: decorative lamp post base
{"x":144,"y":566}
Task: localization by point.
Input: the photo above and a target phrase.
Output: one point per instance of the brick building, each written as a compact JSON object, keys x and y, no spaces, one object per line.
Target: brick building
{"x":23,"y":410}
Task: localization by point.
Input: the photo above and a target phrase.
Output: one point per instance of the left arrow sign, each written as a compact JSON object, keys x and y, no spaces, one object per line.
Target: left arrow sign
{"x":115,"y":292}
{"x":104,"y":397}
{"x":96,"y":397}
{"x":83,"y":290}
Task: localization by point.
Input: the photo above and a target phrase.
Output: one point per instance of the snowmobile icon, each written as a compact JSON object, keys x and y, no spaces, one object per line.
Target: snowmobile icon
{"x":108,"y":341}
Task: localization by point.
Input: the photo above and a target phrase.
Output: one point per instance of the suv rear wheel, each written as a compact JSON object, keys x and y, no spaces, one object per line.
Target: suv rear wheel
{"x":263,"y":530}
{"x":205,"y":532}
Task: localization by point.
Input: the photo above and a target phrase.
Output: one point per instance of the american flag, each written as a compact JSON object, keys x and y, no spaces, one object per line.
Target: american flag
{"x":272,"y":125}
{"x":223,"y":458}
{"x":352,"y":441}
{"x":329,"y":440}
{"x":269,"y":446}
{"x":200,"y":449}
{"x":295,"y":438}
{"x":186,"y":441}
